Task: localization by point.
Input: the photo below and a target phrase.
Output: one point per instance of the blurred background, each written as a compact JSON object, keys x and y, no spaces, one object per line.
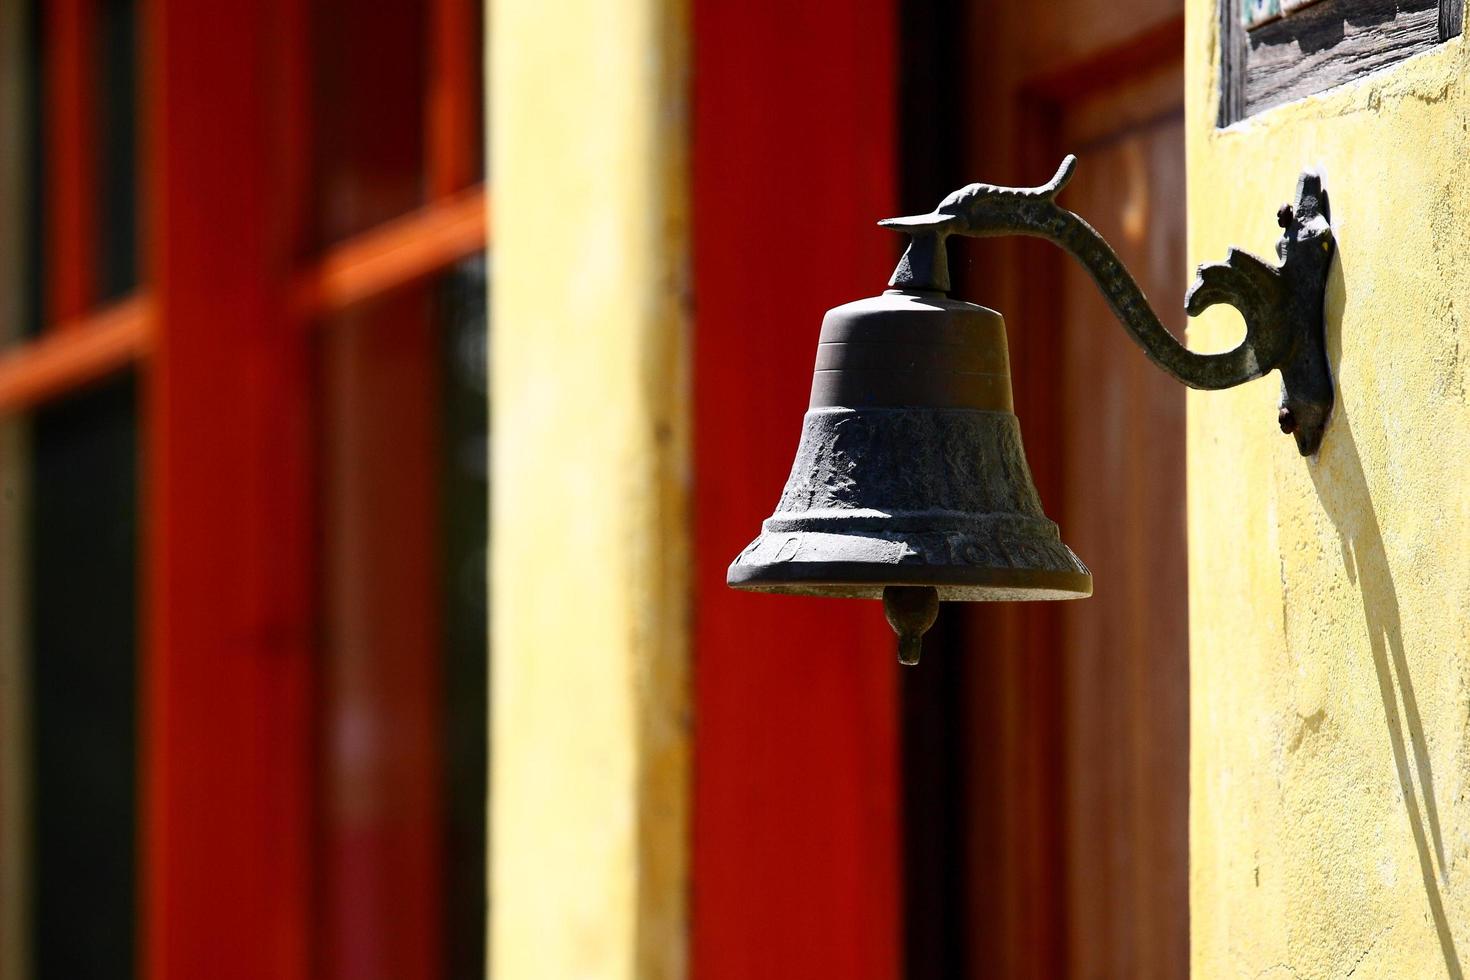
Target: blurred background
{"x":274,"y":238}
{"x":245,"y":259}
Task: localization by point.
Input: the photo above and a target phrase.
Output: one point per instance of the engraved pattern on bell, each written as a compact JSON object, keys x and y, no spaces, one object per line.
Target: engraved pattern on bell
{"x":911,"y":496}
{"x":911,"y":460}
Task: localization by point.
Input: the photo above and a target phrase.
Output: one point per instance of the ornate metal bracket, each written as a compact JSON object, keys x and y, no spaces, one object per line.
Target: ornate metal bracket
{"x":1282,"y":306}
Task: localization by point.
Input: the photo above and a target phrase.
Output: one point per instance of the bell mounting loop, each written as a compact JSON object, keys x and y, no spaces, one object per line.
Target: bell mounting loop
{"x":1281,"y":305}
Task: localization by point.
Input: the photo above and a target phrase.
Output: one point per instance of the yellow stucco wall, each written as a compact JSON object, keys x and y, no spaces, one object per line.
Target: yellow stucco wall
{"x":1330,"y":598}
{"x":589,"y":441}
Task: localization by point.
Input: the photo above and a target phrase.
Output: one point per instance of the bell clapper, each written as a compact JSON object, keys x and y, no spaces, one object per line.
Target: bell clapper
{"x":911,"y":610}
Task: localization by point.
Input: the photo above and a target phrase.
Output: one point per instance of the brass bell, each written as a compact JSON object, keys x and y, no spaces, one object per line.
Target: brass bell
{"x":910,"y":483}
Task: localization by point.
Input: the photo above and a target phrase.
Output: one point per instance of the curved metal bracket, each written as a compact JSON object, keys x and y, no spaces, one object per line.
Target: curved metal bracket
{"x":1281,"y":305}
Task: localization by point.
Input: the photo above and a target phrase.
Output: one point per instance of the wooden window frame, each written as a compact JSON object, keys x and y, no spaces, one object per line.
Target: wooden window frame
{"x":104,"y":340}
{"x":83,"y":342}
{"x":107,"y":339}
{"x":226,"y":666}
{"x":1320,"y":46}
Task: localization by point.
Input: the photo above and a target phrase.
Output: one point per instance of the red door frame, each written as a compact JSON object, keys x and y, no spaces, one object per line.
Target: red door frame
{"x":796,"y":866}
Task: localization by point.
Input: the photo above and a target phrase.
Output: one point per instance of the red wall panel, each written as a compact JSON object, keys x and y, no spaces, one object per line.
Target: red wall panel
{"x":796,"y":788}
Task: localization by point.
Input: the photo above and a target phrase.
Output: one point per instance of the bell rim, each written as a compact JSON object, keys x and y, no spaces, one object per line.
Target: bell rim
{"x":866,"y":580}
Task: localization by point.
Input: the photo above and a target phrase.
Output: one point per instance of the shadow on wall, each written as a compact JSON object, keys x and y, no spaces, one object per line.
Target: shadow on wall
{"x":1343,"y":491}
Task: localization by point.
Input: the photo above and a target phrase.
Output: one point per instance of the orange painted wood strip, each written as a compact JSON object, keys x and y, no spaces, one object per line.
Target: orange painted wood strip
{"x":396,"y":253}
{"x":80,"y":349}
{"x":74,"y":353}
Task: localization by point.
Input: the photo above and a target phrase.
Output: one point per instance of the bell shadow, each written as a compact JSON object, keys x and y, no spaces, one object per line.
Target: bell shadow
{"x":1343,"y":490}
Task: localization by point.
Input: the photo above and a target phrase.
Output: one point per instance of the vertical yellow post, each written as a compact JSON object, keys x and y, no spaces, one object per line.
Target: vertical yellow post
{"x":1330,"y":597}
{"x":14,"y":470}
{"x":590,"y":463}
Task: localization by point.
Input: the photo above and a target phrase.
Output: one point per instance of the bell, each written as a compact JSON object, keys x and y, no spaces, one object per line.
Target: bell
{"x":910,"y":483}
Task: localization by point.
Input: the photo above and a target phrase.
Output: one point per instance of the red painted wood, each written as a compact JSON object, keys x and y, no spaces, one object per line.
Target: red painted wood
{"x":75,"y":353}
{"x":455,"y":51}
{"x":226,"y":673}
{"x":70,"y":121}
{"x":394,"y":254}
{"x":370,"y":110}
{"x":380,"y":873}
{"x":796,"y":784}
{"x":381,"y":850}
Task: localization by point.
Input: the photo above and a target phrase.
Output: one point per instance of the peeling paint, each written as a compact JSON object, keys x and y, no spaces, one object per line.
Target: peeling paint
{"x":1310,"y":725}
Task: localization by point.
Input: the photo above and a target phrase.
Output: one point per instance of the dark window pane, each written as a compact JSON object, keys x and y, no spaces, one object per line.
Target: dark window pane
{"x":81,"y":586}
{"x":464,"y":493}
{"x":117,"y":170}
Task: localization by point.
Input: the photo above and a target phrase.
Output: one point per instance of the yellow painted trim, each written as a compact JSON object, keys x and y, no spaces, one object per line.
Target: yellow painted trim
{"x":1330,"y":598}
{"x":590,"y":467}
{"x":15,"y":831}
